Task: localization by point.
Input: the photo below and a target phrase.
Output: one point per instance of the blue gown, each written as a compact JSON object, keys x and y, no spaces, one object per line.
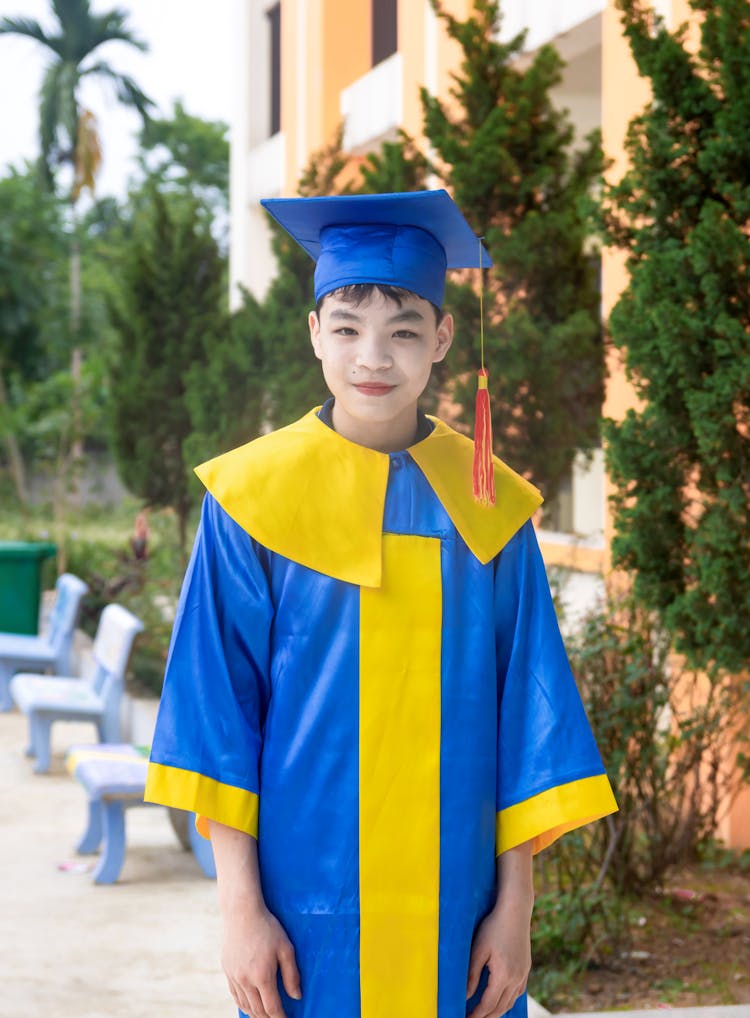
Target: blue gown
{"x":383,"y":718}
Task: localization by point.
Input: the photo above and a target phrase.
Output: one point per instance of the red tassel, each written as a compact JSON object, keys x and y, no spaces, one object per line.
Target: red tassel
{"x":484,"y":471}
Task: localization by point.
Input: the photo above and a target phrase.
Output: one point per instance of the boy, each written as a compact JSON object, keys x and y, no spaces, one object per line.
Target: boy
{"x":366,"y":673}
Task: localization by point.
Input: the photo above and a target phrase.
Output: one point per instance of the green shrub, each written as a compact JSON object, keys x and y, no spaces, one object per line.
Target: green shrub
{"x":147,"y":587}
{"x":664,"y":733}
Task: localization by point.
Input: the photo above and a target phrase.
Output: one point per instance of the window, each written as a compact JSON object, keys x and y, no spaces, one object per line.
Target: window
{"x":384,"y":29}
{"x":274,"y":24}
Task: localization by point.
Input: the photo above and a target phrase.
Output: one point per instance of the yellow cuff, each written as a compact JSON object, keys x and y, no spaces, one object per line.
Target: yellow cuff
{"x":227,"y":804}
{"x":546,"y":816}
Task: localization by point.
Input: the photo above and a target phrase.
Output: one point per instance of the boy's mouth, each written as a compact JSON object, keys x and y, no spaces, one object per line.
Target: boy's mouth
{"x":374,"y":388}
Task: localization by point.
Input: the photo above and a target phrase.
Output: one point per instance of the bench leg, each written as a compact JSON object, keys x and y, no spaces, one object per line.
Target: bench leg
{"x":39,"y":739}
{"x":92,"y":836}
{"x":109,"y":727}
{"x":6,"y":700}
{"x":202,"y":849}
{"x":113,"y":849}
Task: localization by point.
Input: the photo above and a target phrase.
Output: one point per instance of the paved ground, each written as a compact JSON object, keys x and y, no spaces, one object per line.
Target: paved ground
{"x":146,"y":947}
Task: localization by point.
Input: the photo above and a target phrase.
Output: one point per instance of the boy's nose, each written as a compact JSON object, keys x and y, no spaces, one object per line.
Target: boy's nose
{"x":373,"y":356}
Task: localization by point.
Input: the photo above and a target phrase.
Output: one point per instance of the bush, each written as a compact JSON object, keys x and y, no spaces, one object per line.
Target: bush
{"x":665,"y":735}
{"x":148,"y":587}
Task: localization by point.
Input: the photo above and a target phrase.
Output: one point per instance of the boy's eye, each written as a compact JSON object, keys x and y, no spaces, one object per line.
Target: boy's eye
{"x":406,"y":334}
{"x":345,"y":330}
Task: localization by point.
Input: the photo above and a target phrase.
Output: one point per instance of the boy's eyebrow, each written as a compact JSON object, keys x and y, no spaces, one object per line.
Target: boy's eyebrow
{"x":407,"y":315}
{"x":350,"y":316}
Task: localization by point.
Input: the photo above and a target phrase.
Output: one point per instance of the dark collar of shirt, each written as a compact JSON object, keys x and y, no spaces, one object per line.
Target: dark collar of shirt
{"x":424,"y":424}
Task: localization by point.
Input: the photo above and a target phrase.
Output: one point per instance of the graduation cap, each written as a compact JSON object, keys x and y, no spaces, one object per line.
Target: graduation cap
{"x":406,"y":239}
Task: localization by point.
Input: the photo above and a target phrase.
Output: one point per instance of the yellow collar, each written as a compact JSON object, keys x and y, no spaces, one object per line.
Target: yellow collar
{"x":316,"y":498}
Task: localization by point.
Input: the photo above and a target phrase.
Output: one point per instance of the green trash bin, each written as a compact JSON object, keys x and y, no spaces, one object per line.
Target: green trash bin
{"x":21,"y":585}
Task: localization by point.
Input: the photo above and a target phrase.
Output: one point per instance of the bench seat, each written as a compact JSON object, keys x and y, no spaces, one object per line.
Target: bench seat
{"x":114,"y":778}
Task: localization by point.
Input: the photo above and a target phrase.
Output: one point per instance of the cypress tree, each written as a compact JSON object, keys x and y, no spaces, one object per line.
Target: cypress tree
{"x":681,"y":459}
{"x":507,"y":154}
{"x":169,"y":320}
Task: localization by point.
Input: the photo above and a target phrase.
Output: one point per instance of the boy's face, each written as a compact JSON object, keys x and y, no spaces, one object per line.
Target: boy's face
{"x":376,"y":359}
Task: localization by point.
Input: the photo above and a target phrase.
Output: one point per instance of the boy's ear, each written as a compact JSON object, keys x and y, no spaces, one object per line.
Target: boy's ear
{"x":314,"y":323}
{"x":444,"y":337}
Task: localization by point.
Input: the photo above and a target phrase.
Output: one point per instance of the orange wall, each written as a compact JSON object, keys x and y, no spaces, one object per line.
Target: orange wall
{"x":345,"y":56}
{"x":411,"y":45}
{"x":336,"y":52}
{"x":624,"y":94}
{"x":449,"y":51}
{"x":325,"y":47}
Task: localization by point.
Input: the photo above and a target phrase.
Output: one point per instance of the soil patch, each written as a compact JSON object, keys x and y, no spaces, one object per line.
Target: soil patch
{"x":690,"y":946}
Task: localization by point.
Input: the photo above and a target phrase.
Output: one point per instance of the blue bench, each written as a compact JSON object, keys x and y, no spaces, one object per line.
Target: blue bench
{"x":113,"y":776}
{"x":51,"y":650}
{"x":96,"y":697}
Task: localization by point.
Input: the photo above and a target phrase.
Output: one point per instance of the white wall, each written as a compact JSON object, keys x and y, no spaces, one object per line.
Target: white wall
{"x":257,"y":161}
{"x":372,"y":106}
{"x":545,"y":19}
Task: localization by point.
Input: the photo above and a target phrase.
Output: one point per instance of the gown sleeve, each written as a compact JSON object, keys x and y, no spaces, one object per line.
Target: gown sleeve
{"x":207,"y":743}
{"x":550,"y":775}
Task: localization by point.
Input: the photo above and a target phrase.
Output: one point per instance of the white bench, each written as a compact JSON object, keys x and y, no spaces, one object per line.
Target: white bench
{"x":50,"y":651}
{"x":114,"y":778}
{"x":96,"y":697}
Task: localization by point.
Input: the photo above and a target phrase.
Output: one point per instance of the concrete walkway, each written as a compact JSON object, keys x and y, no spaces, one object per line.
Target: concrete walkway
{"x":146,"y":947}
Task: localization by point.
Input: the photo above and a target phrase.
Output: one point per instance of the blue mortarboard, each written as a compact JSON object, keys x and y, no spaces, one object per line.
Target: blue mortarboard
{"x":406,"y":239}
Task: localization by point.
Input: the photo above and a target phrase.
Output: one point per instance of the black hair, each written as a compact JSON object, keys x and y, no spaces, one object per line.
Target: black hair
{"x":357,"y":293}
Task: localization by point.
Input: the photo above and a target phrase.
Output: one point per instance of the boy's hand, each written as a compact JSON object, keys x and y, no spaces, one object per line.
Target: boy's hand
{"x":255,"y":944}
{"x":255,"y":947}
{"x":503,"y":939}
{"x":503,"y":944}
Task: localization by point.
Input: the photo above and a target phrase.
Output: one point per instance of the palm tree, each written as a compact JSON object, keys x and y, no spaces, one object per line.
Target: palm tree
{"x":67,"y":132}
{"x":74,"y":49}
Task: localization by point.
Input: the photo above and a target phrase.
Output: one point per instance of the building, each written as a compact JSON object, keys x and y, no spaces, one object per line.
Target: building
{"x":306,"y":65}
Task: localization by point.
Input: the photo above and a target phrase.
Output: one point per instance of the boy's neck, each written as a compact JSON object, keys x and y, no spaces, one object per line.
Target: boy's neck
{"x":383,"y":436}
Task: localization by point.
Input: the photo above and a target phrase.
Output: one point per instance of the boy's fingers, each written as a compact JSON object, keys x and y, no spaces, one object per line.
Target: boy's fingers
{"x":241,"y":999}
{"x":475,"y":972}
{"x":271,"y":1001}
{"x":489,"y":1002}
{"x":290,"y":972}
{"x":479,"y":958}
{"x":254,"y":1008}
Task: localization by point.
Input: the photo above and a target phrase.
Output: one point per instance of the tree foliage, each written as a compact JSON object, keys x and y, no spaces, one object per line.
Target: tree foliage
{"x":33,"y":295}
{"x":189,"y":152}
{"x":75,"y":43}
{"x":680,"y":460}
{"x":35,"y":395}
{"x":225,"y":396}
{"x":396,"y":166}
{"x":169,"y":319}
{"x":508,"y":156}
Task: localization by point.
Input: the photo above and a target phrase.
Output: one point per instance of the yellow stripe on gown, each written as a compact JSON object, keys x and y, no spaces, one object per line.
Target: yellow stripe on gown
{"x":399,"y":781}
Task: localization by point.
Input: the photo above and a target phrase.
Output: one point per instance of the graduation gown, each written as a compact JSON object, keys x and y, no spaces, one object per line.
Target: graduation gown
{"x":366,"y":673}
